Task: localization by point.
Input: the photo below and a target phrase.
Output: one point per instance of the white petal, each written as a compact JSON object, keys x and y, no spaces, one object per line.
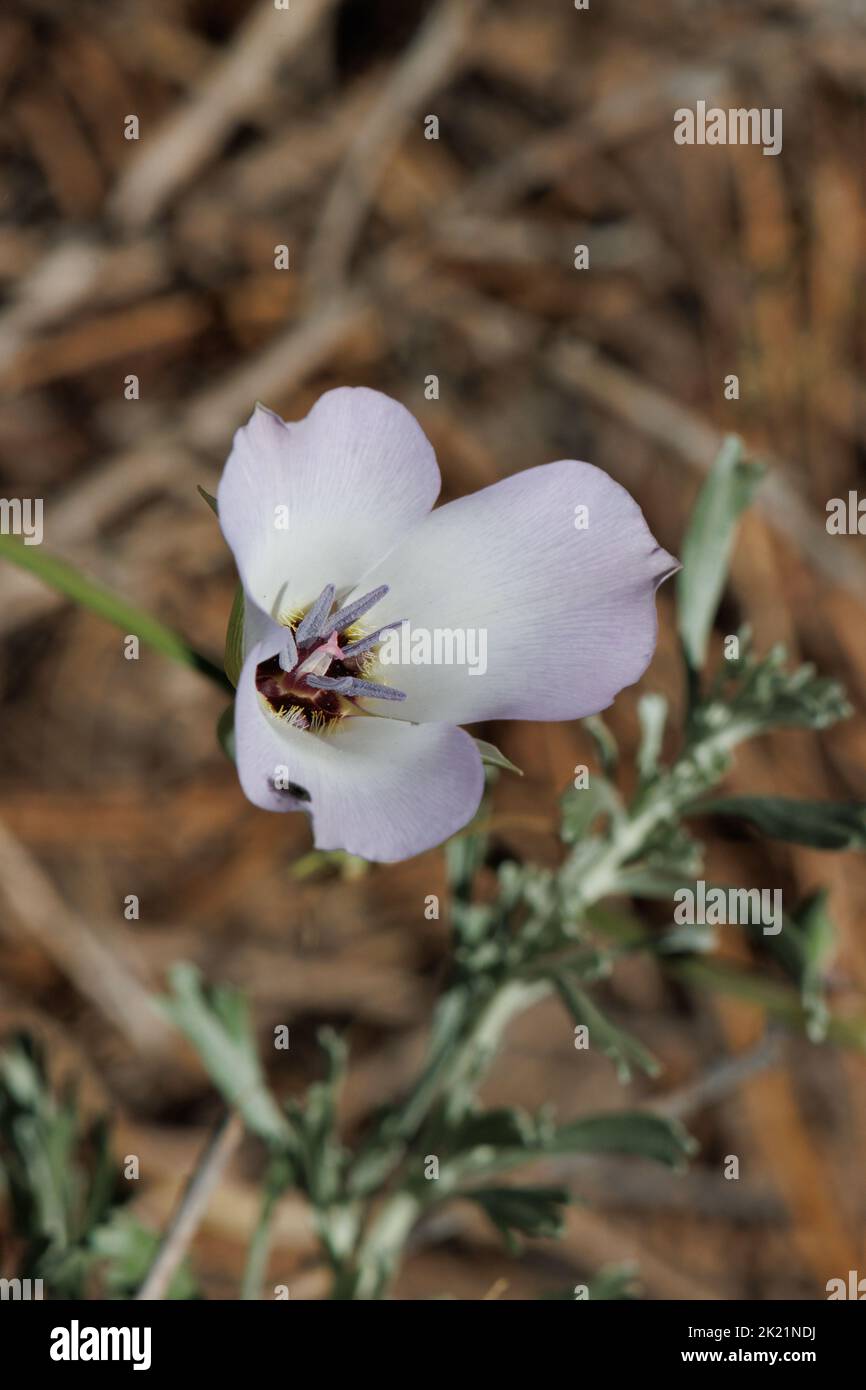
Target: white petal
{"x":375,"y":787}
{"x":349,"y":479}
{"x":567,"y":614}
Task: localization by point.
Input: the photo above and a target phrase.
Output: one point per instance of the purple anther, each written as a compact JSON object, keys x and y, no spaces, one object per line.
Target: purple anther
{"x":365,"y":643}
{"x":346,"y":616}
{"x":288,"y":657}
{"x":315,"y":620}
{"x":340,"y":684}
{"x":374,"y":691}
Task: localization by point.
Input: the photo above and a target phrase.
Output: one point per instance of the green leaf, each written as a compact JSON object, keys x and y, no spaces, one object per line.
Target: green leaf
{"x":503,"y":1128}
{"x":605,"y":743}
{"x":581,"y":806}
{"x":67,"y":580}
{"x":686,"y":940}
{"x":620,"y":1047}
{"x":652,"y":713}
{"x":63,"y":1185}
{"x":803,"y":948}
{"x":821,"y":824}
{"x":39,"y":1139}
{"x":464,"y":856}
{"x":209,"y":498}
{"x":818,"y":941}
{"x":218,"y":1026}
{"x":775,"y":997}
{"x":532,"y":1211}
{"x":129,"y":1250}
{"x":103,"y":1176}
{"x":278,"y":1176}
{"x":491,"y":755}
{"x":234,"y":653}
{"x":647,"y":881}
{"x":330,"y":861}
{"x":617,"y":923}
{"x":450,"y":1020}
{"x":225,"y":732}
{"x":611,"y":1282}
{"x":752,"y":695}
{"x":637,"y":1132}
{"x":320,"y":1159}
{"x":615,"y":1282}
{"x":707,"y":546}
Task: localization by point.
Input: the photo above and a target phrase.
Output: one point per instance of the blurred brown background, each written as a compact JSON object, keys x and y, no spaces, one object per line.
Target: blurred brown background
{"x":411,"y":257}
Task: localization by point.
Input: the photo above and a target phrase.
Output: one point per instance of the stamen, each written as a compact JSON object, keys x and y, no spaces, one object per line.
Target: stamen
{"x":352,"y":685}
{"x":348,"y":615}
{"x":315,"y":618}
{"x":295,"y":683}
{"x":340,"y":684}
{"x":289,"y":655}
{"x":375,"y":691}
{"x":365,"y":643}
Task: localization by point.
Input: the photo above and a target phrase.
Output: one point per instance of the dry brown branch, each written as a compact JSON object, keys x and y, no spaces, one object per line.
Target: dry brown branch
{"x":278,"y":370}
{"x":433,"y":57}
{"x":720,"y":1080}
{"x":166,"y":462}
{"x":59,"y":282}
{"x":613,"y":119}
{"x":192,"y":1207}
{"x":675,"y":427}
{"x":98,"y":971}
{"x":192,"y":136}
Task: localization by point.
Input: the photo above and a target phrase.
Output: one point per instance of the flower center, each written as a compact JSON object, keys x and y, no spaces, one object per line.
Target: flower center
{"x":320,"y":673}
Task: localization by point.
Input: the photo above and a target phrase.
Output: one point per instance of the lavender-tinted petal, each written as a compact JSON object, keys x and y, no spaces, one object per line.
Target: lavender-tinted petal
{"x":378,"y":788}
{"x":566,"y":613}
{"x":324,"y":498}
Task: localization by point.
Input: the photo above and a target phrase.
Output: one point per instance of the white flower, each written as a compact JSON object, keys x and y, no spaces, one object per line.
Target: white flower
{"x":372,"y":750}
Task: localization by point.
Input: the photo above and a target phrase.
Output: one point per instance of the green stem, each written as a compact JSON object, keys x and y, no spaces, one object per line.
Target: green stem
{"x":381,"y":1251}
{"x":477,"y":1051}
{"x":455,"y":1073}
{"x":67,"y":580}
{"x":260,"y":1248}
{"x":663,"y":802}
